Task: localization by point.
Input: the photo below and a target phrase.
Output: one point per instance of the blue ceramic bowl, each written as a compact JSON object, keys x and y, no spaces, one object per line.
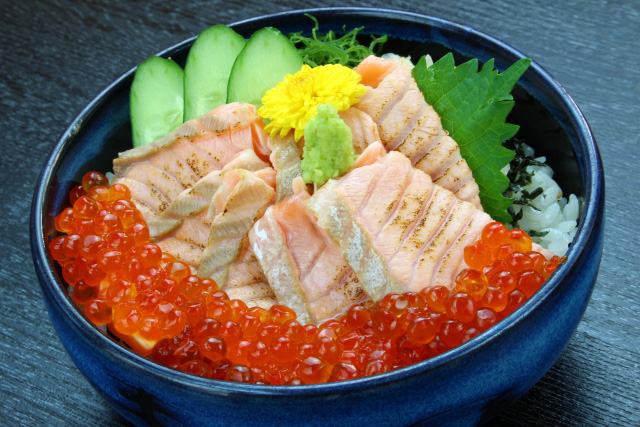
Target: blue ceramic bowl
{"x":466,"y":385}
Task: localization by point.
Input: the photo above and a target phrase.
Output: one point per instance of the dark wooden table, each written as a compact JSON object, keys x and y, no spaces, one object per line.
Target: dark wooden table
{"x":58,"y":54}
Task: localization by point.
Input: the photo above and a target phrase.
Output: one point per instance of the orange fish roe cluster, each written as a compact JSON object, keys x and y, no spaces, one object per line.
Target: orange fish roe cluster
{"x":122,"y":280}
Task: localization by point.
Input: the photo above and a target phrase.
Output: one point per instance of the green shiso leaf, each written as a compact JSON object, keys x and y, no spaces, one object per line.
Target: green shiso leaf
{"x":473,"y":106}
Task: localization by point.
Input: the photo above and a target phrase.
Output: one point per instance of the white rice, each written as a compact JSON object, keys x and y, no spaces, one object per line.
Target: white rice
{"x":549,"y":212}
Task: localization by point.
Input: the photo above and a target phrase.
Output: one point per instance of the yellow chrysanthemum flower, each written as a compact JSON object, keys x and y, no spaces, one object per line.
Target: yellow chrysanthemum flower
{"x":292,"y":103}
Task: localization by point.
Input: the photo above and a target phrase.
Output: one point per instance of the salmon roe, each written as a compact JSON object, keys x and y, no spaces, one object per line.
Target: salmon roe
{"x":119,"y":278}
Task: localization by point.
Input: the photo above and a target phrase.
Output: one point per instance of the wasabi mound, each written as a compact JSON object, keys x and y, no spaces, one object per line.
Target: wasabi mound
{"x":328,"y":148}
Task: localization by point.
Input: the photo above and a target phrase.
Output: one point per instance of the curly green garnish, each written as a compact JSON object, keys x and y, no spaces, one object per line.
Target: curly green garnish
{"x":330,"y":49}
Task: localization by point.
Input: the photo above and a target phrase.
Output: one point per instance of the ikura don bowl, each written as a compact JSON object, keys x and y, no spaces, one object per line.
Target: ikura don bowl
{"x":466,"y":385}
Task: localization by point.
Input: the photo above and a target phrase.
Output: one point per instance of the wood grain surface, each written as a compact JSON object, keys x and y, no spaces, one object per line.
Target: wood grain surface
{"x":58,"y":54}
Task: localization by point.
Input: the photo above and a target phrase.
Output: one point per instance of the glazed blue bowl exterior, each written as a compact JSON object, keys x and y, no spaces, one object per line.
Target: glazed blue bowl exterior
{"x":465,"y":386}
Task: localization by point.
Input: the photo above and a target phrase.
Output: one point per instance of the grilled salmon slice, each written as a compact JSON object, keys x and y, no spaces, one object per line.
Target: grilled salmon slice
{"x":364,"y":131}
{"x":157,"y":172}
{"x":303,"y":265}
{"x":247,"y":282}
{"x":397,"y":229}
{"x":208,"y":229}
{"x":194,"y":201}
{"x":246,"y":197}
{"x":285,"y":157}
{"x":212,"y":218}
{"x":406,"y":123}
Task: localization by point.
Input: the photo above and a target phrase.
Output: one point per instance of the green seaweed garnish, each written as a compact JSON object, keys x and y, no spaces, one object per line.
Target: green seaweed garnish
{"x":519,"y":177}
{"x":536,"y":233}
{"x":322,"y":49}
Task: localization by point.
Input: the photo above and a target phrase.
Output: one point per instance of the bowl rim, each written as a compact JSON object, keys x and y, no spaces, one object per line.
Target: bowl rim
{"x":594,"y":187}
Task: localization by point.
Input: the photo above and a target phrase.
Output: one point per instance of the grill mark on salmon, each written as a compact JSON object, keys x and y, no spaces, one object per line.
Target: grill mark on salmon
{"x":408,"y":124}
{"x":434,"y":213}
{"x":453,"y":259}
{"x":432,"y":252}
{"x":426,"y":133}
{"x":181,"y":250}
{"x":445,"y":150}
{"x":451,"y":178}
{"x":467,"y":191}
{"x":174,"y":164}
{"x":150,"y":174}
{"x":148,"y":195}
{"x":197,"y":161}
{"x":387,"y":194}
{"x":402,"y":223}
{"x":402,"y":118}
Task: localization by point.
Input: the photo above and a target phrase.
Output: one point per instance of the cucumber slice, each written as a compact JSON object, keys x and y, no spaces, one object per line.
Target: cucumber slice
{"x":267,"y":57}
{"x":156,"y":99}
{"x":207,"y":70}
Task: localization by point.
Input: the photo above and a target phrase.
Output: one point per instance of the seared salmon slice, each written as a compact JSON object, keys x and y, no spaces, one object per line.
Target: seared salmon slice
{"x":164,"y":168}
{"x":206,"y":227}
{"x":303,"y":265}
{"x":406,"y":123}
{"x":370,"y":155}
{"x":206,"y":224}
{"x":194,"y":201}
{"x":247,"y":282}
{"x":246,"y":197}
{"x":397,"y":229}
{"x":285,"y":157}
{"x":364,"y":131}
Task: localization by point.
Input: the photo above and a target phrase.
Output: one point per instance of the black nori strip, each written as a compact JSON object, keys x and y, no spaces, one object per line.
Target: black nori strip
{"x":518,"y":178}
